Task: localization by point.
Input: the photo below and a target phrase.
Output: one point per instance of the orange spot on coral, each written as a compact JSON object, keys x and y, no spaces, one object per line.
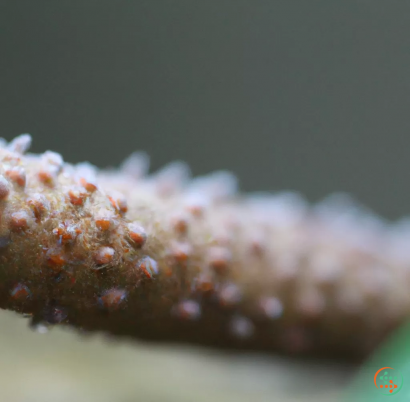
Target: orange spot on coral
{"x":148,"y":266}
{"x":88,"y":185}
{"x":46,"y":177}
{"x":122,"y":205}
{"x":219,"y":259}
{"x":168,"y":271}
{"x":180,"y":252}
{"x":39,"y":204}
{"x":20,"y":292}
{"x":111,"y":299}
{"x":17,"y":175}
{"x":204,"y":283}
{"x":137,"y":234}
{"x":77,"y":196}
{"x":103,"y":223}
{"x":119,"y":203}
{"x":66,"y":232}
{"x":19,"y":220}
{"x":55,"y":259}
{"x":104,"y":255}
{"x":196,"y":210}
{"x":180,"y":225}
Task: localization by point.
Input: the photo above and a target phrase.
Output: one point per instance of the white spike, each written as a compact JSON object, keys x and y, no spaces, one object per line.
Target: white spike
{"x":217,"y":186}
{"x":136,"y":165}
{"x":20,"y":144}
{"x":172,"y":178}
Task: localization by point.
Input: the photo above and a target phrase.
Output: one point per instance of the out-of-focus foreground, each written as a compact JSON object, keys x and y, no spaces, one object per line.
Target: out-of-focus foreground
{"x":61,"y":366}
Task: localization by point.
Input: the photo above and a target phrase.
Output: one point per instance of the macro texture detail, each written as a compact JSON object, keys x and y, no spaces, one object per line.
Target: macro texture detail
{"x":167,"y":257}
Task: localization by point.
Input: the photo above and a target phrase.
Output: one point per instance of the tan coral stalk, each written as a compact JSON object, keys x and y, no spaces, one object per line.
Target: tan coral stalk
{"x":164,"y":257}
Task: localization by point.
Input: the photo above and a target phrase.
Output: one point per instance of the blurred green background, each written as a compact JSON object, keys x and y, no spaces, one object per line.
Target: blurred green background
{"x":304,"y":95}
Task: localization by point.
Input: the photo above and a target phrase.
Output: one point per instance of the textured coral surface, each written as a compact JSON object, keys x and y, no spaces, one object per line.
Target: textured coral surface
{"x":167,"y":257}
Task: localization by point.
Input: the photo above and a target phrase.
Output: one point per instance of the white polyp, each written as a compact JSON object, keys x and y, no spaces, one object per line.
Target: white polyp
{"x":87,"y":171}
{"x":397,"y":240}
{"x":343,"y":215}
{"x":282,"y":210}
{"x":53,"y":158}
{"x":4,"y":187}
{"x":172,"y":178}
{"x":217,"y":186}
{"x":20,"y":144}
{"x":196,"y":200}
{"x":136,"y":165}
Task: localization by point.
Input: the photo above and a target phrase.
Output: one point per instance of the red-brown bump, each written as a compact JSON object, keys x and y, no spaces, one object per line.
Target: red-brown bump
{"x":119,"y":202}
{"x":196,"y":210}
{"x":39,"y":204}
{"x":103,"y":223}
{"x":46,"y":176}
{"x":55,"y":259}
{"x":66,"y":232}
{"x":137,"y":234}
{"x":180,"y":224}
{"x":89,"y":185}
{"x":19,"y":220}
{"x":104,"y":220}
{"x":104,"y":255}
{"x":204,"y":283}
{"x":20,"y":292}
{"x":180,"y":252}
{"x":17,"y":175}
{"x":148,"y":266}
{"x":187,"y":310}
{"x":77,"y":196}
{"x":219,"y":259}
{"x":4,"y":188}
{"x":122,"y":205}
{"x":113,"y":298}
{"x":229,"y":295}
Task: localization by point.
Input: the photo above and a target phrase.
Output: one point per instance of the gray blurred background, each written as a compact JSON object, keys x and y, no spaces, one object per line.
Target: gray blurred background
{"x":304,"y":95}
{"x":311,"y":96}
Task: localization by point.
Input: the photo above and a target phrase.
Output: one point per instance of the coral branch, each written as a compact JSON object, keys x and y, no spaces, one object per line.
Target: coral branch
{"x":164,"y":257}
